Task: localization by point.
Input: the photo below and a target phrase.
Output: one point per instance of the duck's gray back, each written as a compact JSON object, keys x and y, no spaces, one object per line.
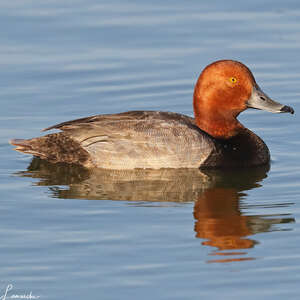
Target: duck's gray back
{"x":140,"y":139}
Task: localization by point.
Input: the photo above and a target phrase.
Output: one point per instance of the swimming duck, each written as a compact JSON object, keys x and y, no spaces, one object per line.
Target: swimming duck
{"x":155,"y":139}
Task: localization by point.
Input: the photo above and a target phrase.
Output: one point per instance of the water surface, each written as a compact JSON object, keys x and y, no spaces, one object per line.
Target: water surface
{"x":69,"y":233}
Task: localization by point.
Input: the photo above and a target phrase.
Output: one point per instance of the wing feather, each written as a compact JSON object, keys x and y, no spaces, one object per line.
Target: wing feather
{"x":140,"y":139}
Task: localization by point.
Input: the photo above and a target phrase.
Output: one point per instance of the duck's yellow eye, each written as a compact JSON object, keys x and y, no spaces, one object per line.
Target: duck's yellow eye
{"x":233,"y":79}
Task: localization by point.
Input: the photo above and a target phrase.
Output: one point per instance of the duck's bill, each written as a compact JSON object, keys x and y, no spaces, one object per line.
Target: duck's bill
{"x":260,"y":100}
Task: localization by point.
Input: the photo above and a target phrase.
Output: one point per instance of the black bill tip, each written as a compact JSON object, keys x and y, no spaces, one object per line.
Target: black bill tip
{"x":287,"y":109}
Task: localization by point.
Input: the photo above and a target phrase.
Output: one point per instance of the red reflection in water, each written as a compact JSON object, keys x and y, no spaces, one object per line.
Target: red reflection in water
{"x":220,"y":222}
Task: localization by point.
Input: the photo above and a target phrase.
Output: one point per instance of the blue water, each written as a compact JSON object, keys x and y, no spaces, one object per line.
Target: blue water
{"x":68,"y":234}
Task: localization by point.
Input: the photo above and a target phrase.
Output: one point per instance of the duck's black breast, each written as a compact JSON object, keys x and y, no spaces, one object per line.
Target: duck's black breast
{"x":244,"y":150}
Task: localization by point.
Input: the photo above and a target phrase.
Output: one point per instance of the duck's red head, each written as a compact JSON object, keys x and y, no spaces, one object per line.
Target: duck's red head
{"x":224,"y":89}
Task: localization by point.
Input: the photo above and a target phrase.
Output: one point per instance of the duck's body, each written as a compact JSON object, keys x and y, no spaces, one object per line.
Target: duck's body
{"x":144,"y":139}
{"x":153,"y":139}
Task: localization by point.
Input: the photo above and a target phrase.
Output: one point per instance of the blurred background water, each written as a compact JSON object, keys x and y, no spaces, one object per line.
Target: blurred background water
{"x":68,"y":233}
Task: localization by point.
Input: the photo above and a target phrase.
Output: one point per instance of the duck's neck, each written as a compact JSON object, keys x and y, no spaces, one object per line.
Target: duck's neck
{"x":216,"y":121}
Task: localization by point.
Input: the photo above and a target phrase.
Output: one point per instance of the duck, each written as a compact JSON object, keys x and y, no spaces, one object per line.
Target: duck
{"x":214,"y":138}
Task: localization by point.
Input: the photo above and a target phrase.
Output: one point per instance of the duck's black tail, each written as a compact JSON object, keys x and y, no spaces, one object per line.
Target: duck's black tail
{"x":27,"y":146}
{"x":56,"y":147}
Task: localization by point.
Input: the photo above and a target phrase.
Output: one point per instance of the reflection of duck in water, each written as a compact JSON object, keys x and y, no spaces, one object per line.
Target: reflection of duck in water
{"x":220,"y":221}
{"x":217,"y":195}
